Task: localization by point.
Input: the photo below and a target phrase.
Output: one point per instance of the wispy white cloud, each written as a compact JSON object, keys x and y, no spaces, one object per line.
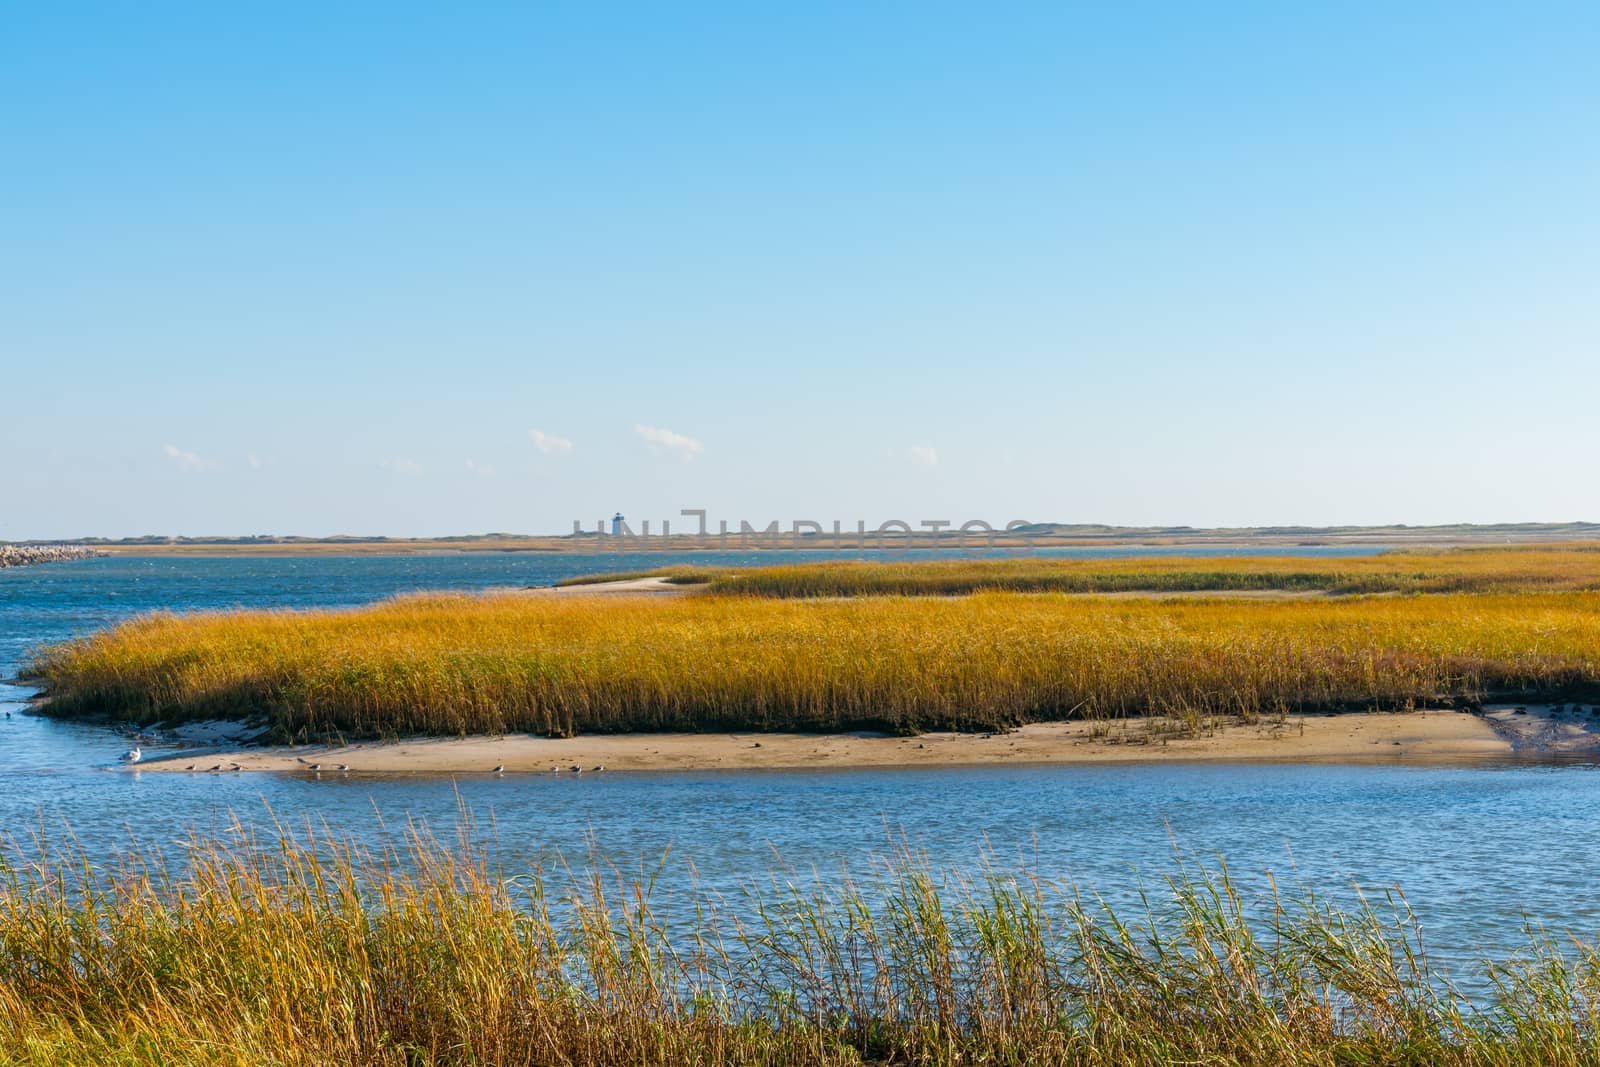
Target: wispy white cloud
{"x":479,"y":469}
{"x":406,"y":467}
{"x":188,"y":461}
{"x":923,"y":455}
{"x":549,"y":443}
{"x":677,"y":444}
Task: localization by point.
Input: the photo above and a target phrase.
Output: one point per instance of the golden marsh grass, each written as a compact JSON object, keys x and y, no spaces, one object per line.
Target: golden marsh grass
{"x":486,"y":664}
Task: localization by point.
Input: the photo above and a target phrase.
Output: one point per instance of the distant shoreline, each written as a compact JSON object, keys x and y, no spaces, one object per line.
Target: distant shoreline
{"x":1039,"y":536}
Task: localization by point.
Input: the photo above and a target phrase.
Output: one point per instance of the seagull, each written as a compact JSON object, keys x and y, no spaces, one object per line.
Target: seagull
{"x":576,"y":769}
{"x":190,"y":767}
{"x":236,"y":767}
{"x":133,"y":755}
{"x":601,"y":767}
{"x":500,"y":769}
{"x":316,"y":767}
{"x":217,"y":768}
{"x":344,"y":768}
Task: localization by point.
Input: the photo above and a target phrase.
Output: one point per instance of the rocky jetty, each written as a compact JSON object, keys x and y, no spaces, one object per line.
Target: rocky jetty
{"x":22,"y":555}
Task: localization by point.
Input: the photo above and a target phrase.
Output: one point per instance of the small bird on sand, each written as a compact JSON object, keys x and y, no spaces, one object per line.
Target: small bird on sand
{"x":555,"y":770}
{"x":217,"y":768}
{"x":576,"y":769}
{"x":190,"y":767}
{"x":236,"y":767}
{"x":500,"y":769}
{"x":299,"y":759}
{"x":601,"y":767}
{"x":344,"y":768}
{"x":316,"y":767}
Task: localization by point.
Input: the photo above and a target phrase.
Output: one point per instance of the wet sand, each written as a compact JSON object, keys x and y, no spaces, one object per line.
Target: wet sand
{"x":1352,"y":737}
{"x":1547,"y":729}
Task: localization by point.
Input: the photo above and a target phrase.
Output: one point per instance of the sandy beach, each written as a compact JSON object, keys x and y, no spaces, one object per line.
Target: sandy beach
{"x":1353,"y":737}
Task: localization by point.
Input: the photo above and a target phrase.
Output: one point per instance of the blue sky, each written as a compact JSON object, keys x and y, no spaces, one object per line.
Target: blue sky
{"x":426,"y":269}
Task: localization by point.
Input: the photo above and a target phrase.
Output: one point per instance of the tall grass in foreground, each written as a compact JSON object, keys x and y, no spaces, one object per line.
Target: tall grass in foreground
{"x":475,"y":664}
{"x":279,"y":952}
{"x":1562,"y":568}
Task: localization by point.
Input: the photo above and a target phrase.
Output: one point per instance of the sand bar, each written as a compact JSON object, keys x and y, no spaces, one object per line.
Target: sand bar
{"x":656,"y":586}
{"x":1352,"y":737}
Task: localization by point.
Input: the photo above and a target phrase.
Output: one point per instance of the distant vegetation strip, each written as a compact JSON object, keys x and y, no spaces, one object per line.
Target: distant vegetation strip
{"x":487,"y":664}
{"x":1501,"y":570}
{"x":303,"y":954}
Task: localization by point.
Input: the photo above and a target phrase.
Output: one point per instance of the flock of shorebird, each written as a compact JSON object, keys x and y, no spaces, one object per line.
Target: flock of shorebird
{"x":344,"y":768}
{"x":317,"y":768}
{"x":136,"y":753}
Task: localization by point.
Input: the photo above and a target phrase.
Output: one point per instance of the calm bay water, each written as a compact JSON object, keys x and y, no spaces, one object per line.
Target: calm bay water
{"x":1476,"y":848}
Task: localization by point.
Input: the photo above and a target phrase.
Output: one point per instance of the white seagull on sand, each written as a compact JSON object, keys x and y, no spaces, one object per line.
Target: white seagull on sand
{"x":133,"y":755}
